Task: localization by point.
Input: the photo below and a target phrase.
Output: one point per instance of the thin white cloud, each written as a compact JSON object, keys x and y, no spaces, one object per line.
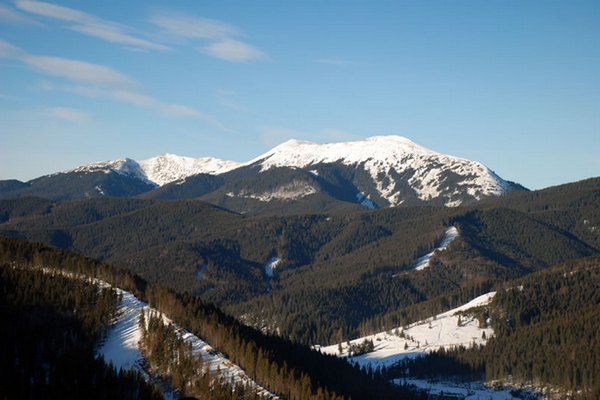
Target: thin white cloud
{"x":7,"y":50}
{"x":68,"y":114}
{"x":89,"y":24}
{"x":10,"y":15}
{"x":223,"y":38}
{"x":234,"y":51}
{"x":95,"y":81}
{"x":78,"y":71}
{"x":194,"y":27}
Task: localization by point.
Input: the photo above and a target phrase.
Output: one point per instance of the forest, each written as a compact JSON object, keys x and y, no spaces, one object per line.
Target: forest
{"x":341,"y":275}
{"x":290,"y":369}
{"x":51,"y":326}
{"x":546,"y":332}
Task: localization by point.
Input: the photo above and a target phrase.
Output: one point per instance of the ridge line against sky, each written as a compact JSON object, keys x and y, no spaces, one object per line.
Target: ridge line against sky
{"x":512,"y":84}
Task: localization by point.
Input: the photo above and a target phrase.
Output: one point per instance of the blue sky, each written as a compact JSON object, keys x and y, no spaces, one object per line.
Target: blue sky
{"x":513,"y":84}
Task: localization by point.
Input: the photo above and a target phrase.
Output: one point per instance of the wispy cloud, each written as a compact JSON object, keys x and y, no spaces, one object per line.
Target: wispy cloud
{"x":234,"y":51}
{"x":272,"y":136}
{"x":224,"y":39}
{"x":89,"y":24}
{"x":94,"y":81}
{"x":68,"y":114}
{"x":13,"y":16}
{"x":194,"y":27}
{"x":79,"y":71}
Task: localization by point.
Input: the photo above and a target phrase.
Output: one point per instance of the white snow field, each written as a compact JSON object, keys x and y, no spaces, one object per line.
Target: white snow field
{"x":450,"y":234}
{"x":121,"y":345}
{"x":467,"y":390}
{"x":421,"y":337}
{"x":429,"y":335}
{"x":122,"y":349}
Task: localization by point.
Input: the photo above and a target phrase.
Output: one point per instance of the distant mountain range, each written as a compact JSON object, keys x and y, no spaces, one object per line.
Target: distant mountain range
{"x":380,"y":171}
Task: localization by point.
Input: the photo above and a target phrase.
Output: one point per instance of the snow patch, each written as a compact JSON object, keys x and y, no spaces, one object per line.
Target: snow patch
{"x":450,"y":234}
{"x":292,"y":191}
{"x":271,"y":265}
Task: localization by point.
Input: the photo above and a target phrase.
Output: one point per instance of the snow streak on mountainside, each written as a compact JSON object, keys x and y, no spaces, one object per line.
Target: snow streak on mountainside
{"x":387,"y":159}
{"x":450,"y":234}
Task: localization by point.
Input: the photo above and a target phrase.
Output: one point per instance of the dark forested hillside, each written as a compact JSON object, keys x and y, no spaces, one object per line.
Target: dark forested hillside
{"x":293,"y":370}
{"x":547,"y":332}
{"x":339,"y":273}
{"x":50,"y":327}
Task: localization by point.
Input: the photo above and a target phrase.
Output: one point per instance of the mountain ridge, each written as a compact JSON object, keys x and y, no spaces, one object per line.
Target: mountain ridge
{"x":379,"y":171}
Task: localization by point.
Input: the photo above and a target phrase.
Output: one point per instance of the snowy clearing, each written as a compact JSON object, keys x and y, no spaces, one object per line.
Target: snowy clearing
{"x":441,"y":331}
{"x":421,"y":337}
{"x":467,"y":390}
{"x":121,"y":346}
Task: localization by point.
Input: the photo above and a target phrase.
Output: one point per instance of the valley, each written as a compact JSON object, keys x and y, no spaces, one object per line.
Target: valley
{"x":285,"y":247}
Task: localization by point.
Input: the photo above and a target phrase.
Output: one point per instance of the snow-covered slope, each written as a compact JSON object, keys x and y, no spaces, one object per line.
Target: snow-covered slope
{"x":389,"y":160}
{"x":122,"y":166}
{"x":450,"y":234}
{"x":168,"y":168}
{"x":380,"y":171}
{"x":162,"y":169}
{"x":443,"y":330}
{"x":121,"y":346}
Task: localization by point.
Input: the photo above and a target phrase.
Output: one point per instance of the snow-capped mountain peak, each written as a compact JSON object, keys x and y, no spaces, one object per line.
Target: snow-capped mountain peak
{"x":162,"y":169}
{"x":122,"y":166}
{"x":300,"y":154}
{"x":379,"y":171}
{"x":391,"y":162}
{"x":168,"y":168}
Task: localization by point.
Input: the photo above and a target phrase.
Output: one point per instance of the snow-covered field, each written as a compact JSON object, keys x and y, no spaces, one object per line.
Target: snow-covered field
{"x":421,"y":337}
{"x":450,"y":234}
{"x":122,"y":349}
{"x":121,"y":344}
{"x":466,"y":390}
{"x":443,"y":330}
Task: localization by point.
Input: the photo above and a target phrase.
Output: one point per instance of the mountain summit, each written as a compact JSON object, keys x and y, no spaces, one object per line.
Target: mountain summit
{"x":398,"y":168}
{"x":380,"y":171}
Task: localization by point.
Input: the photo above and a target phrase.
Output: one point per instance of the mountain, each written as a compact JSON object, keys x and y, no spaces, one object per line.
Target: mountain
{"x":349,"y":269}
{"x":380,"y":171}
{"x":394,"y":164}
